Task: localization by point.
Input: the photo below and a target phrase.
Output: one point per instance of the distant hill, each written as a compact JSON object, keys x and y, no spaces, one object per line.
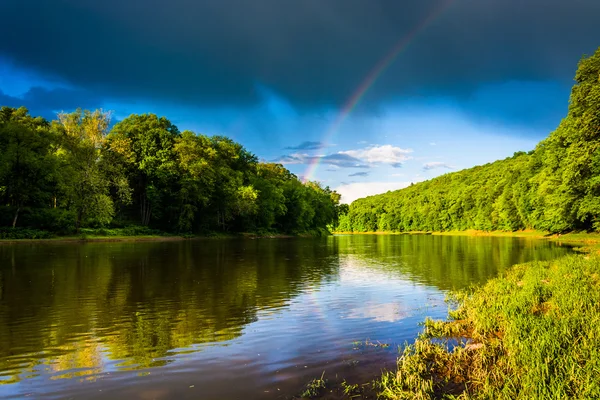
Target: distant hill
{"x":555,"y":187}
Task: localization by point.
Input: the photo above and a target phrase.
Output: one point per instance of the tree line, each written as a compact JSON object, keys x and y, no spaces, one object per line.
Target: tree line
{"x":555,"y":187}
{"x":77,"y":171}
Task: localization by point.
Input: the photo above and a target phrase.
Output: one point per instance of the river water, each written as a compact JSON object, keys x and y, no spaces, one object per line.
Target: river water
{"x":227,"y":319}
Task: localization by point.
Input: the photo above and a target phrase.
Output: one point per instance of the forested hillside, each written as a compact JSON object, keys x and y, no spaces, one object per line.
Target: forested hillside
{"x":63,"y":175}
{"x":555,"y":187}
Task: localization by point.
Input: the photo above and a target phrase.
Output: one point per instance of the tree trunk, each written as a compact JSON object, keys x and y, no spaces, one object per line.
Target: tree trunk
{"x":148,"y":214}
{"x":78,"y":220}
{"x":145,"y":210}
{"x":16,"y":216}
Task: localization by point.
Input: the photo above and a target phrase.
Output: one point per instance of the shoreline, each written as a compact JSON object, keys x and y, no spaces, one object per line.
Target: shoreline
{"x":590,"y":241}
{"x":166,"y":238}
{"x":528,"y":333}
{"x":517,"y":336}
{"x":477,"y":351}
{"x":469,"y":232}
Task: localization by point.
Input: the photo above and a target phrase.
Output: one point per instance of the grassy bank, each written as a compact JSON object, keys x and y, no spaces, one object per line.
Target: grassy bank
{"x":133,"y":234}
{"x":470,"y":232}
{"x":582,"y":241}
{"x":531,"y":334}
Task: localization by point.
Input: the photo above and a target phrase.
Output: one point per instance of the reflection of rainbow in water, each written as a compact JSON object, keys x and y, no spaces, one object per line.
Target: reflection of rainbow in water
{"x":370,"y":79}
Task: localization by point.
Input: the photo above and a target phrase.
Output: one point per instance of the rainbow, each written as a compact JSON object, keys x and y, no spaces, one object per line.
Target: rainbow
{"x":370,"y":79}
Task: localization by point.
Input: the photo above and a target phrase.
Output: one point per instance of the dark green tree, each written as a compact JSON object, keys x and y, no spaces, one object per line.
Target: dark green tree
{"x":145,"y":144}
{"x":27,"y":165}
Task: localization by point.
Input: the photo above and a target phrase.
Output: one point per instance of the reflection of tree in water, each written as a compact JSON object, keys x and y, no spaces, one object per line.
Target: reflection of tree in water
{"x":446,"y":262}
{"x":72,"y":306}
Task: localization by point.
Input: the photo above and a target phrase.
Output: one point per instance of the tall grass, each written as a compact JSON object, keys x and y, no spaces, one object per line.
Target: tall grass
{"x":531,"y":334}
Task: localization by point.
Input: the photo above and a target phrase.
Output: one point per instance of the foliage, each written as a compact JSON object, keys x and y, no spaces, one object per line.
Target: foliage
{"x":73,"y":175}
{"x":84,"y":183}
{"x":555,"y":187}
{"x":23,"y":233}
{"x":26,"y":164}
{"x":134,"y":230}
{"x":143,"y":148}
{"x":532,"y":334}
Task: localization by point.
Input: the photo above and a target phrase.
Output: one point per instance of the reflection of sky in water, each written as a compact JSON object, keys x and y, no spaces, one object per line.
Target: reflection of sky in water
{"x":320,"y":324}
{"x":323,"y":323}
{"x":390,"y":312}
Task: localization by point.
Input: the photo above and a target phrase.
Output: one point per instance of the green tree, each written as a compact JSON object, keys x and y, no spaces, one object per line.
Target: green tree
{"x":27,"y":165}
{"x":196,"y":177}
{"x":145,"y":144}
{"x":234,"y":166}
{"x":83,"y":181}
{"x":268,"y":182}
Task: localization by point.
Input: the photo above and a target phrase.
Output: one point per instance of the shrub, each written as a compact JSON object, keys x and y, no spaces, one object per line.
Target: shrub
{"x":23,"y":233}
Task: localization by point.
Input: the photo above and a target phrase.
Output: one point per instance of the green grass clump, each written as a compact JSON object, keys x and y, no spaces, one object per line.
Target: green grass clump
{"x":315,"y":387}
{"x":532,"y":334}
{"x":352,"y":390}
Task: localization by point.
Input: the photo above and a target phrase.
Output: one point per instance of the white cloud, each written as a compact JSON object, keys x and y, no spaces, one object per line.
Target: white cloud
{"x":361,"y":158}
{"x":340,"y":160}
{"x":433,"y":144}
{"x":353,"y":191}
{"x":386,"y":154}
{"x":436,"y":164}
{"x":362,"y":174}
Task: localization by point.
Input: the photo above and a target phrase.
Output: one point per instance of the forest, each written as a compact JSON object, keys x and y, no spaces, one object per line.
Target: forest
{"x":143,"y":175}
{"x":554,"y":188}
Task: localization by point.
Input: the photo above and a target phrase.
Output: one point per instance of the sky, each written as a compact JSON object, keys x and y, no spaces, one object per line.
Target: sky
{"x":364,"y":96}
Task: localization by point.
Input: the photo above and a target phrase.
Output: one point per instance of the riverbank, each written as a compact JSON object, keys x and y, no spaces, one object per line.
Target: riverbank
{"x":470,"y":232}
{"x":530,"y":334}
{"x":582,"y":241}
{"x":154,"y":238}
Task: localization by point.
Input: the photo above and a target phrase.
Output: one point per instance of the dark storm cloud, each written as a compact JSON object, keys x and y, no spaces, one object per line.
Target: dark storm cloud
{"x":306,"y":146}
{"x":9,"y":101}
{"x":537,"y":104}
{"x":312,"y":52}
{"x":359,"y":174}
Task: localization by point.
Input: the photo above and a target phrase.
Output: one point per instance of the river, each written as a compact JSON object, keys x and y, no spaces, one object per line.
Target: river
{"x":227,"y":319}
